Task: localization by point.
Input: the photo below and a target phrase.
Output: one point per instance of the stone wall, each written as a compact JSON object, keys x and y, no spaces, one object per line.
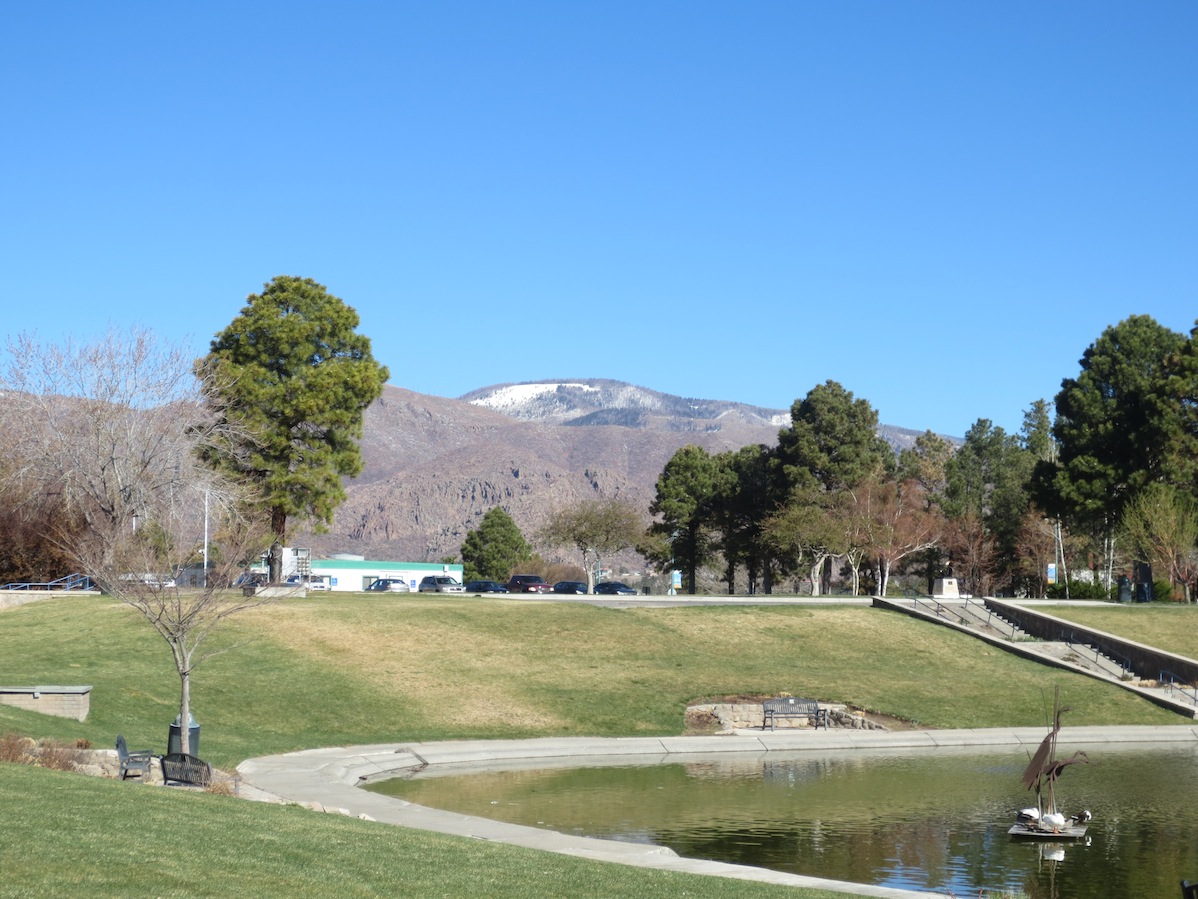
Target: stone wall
{"x":62,"y":702}
{"x":728,"y":717}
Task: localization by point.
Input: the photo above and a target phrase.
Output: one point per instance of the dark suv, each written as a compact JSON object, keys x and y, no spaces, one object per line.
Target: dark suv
{"x":528,"y":583}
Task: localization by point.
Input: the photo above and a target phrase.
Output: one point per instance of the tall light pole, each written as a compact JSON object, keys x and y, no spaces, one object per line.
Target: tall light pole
{"x":205,"y":538}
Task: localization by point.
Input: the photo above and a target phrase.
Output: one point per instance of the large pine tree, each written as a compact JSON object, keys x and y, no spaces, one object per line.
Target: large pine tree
{"x":293,"y":378}
{"x":495,"y":549}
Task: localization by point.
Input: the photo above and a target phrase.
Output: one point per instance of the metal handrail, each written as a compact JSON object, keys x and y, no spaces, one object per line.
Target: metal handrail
{"x":935,"y":607}
{"x":70,"y":582}
{"x":1100,"y":651}
{"x":991,"y":615}
{"x":1170,"y":680}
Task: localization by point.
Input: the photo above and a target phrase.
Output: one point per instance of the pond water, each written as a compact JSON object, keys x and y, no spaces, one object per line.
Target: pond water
{"x":933,"y":821}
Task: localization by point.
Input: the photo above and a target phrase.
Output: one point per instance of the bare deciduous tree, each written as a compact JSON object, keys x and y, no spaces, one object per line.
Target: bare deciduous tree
{"x":1037,"y":550}
{"x":897,"y":522}
{"x":1161,"y":527}
{"x":110,"y":433}
{"x":974,"y":553}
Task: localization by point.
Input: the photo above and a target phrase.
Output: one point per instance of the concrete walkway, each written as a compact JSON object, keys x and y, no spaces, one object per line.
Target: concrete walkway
{"x":329,"y":780}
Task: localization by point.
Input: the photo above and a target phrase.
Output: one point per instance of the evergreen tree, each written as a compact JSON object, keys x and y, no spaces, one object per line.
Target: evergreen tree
{"x":927,"y":462}
{"x":495,"y":549}
{"x":292,"y":376}
{"x":685,"y":490}
{"x":1182,"y":393}
{"x":1036,"y":433}
{"x":986,"y":479}
{"x":740,"y":505}
{"x":832,"y":441}
{"x":1116,"y":428}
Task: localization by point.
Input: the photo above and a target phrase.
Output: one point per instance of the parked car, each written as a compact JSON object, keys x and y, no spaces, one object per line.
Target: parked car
{"x":149,"y":579}
{"x":315,"y":582}
{"x":528,"y":583}
{"x":389,"y":585}
{"x":440,"y":583}
{"x":614,"y":588}
{"x":570,"y":587}
{"x":484,"y":587}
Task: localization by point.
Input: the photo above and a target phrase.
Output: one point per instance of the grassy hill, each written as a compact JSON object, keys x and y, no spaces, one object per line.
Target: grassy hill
{"x":344,"y":669}
{"x":352,"y":669}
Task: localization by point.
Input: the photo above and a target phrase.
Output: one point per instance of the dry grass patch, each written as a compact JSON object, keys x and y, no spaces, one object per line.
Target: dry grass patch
{"x":423,"y":660}
{"x":51,"y":754}
{"x":546,"y":668}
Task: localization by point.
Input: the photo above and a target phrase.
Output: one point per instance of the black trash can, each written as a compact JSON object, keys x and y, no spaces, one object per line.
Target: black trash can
{"x":1124,"y":588}
{"x":174,"y":743}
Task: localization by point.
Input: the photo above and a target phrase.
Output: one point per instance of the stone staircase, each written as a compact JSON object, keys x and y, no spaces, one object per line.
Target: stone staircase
{"x":974,"y":617}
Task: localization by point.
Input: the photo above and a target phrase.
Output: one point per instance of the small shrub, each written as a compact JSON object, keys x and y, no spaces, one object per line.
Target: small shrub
{"x":222,"y":786}
{"x":14,"y":748}
{"x":47,"y":754}
{"x":56,"y":756}
{"x":1082,"y":590}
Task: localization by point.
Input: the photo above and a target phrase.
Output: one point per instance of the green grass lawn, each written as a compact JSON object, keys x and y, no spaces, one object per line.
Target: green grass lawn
{"x":70,"y":836}
{"x":345,"y":669}
{"x":1172,"y":627}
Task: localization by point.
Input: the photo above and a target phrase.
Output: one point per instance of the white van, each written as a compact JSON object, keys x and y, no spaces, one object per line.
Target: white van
{"x":313,"y":582}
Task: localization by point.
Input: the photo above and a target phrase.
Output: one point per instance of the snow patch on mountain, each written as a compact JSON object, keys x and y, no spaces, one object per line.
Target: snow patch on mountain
{"x":512,"y":399}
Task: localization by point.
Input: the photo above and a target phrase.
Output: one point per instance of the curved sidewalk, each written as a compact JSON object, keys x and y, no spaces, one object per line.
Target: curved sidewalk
{"x":329,"y":779}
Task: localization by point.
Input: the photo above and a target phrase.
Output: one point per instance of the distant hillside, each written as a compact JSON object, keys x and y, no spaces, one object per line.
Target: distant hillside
{"x":435,"y":466}
{"x":596,"y":401}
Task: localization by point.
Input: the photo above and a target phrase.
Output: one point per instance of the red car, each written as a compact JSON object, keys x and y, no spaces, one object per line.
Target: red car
{"x":528,"y":583}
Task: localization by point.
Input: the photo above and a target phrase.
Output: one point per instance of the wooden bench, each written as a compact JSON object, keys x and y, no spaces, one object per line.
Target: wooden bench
{"x":793,"y":707}
{"x":186,"y":769}
{"x":136,"y":762}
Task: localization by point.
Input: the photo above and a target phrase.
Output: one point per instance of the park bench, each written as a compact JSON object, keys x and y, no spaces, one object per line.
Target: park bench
{"x":136,"y":762}
{"x":187,"y":769}
{"x":793,"y":707}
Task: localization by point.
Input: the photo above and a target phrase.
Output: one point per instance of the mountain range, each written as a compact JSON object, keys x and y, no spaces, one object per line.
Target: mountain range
{"x":434,"y":466}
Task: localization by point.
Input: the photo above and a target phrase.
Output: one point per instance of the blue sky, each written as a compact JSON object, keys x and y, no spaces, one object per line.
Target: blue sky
{"x":938,"y":204}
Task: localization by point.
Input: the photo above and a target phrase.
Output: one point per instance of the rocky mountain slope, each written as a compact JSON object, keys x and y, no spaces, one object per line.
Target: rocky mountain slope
{"x":435,"y":466}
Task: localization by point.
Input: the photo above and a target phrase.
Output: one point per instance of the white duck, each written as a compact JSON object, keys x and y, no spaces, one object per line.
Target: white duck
{"x":1055,"y":820}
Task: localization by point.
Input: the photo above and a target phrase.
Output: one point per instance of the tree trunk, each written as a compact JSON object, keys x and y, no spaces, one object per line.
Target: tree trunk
{"x":817,"y":567}
{"x":185,"y":712}
{"x":883,"y":576}
{"x":278,"y":527}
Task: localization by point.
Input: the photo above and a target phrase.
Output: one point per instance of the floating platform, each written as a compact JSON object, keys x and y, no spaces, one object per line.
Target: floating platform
{"x":1036,"y":832}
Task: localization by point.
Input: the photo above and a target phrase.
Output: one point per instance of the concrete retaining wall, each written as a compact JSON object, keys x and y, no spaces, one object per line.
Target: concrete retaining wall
{"x":62,"y":702}
{"x":1146,"y":662}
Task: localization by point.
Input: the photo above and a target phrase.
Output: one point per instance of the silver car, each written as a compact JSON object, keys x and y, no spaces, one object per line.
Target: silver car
{"x":435,"y":583}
